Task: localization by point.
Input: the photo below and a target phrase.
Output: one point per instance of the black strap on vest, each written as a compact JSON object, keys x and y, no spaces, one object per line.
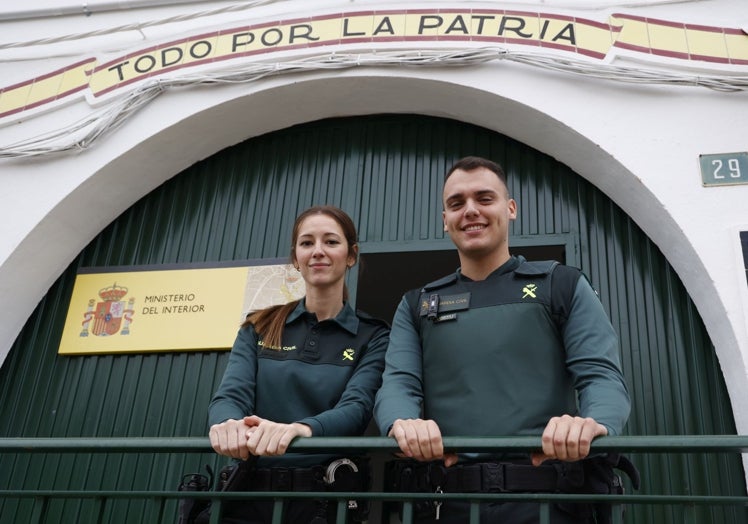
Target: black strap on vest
{"x":535,"y":268}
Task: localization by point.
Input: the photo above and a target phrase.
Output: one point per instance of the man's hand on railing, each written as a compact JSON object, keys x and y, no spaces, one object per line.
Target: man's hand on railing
{"x":421,"y":440}
{"x":568,"y":438}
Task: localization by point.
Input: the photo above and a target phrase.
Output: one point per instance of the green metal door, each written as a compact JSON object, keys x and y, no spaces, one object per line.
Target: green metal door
{"x":386,"y":171}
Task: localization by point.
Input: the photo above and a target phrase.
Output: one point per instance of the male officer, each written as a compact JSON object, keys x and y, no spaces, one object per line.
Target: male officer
{"x":501,"y":347}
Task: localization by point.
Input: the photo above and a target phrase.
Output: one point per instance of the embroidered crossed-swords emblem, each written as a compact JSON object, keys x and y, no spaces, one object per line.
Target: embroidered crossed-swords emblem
{"x":529,"y":291}
{"x":348,"y":353}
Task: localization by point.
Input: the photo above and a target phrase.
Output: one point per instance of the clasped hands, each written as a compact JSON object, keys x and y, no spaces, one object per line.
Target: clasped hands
{"x":254,"y":436}
{"x":565,"y":438}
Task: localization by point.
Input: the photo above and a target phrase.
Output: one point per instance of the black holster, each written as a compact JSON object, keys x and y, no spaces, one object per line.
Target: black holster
{"x":235,"y":476}
{"x":189,"y":508}
{"x":595,"y":475}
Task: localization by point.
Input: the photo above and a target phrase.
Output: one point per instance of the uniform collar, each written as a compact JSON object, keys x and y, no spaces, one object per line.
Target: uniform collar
{"x":510,"y":265}
{"x":346,"y":319}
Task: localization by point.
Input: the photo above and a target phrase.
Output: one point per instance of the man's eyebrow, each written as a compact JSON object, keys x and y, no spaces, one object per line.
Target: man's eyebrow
{"x":453,"y":196}
{"x":478,"y":193}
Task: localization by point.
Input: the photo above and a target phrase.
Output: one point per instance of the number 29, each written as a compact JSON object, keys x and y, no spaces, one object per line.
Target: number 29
{"x":732,"y":167}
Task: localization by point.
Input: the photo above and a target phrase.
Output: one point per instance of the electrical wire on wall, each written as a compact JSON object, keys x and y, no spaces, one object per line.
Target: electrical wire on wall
{"x":137,"y":26}
{"x":84,"y":133}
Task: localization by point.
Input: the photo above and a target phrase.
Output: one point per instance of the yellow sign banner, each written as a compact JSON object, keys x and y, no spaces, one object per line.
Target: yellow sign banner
{"x":188,"y":309}
{"x":409,"y":28}
{"x":575,"y":35}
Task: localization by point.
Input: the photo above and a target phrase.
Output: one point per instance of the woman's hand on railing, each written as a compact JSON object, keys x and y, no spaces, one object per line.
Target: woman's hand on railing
{"x":265,"y":437}
{"x":230,"y":438}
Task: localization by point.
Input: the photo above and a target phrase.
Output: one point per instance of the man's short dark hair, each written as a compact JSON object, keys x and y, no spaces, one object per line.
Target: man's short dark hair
{"x":471,"y":163}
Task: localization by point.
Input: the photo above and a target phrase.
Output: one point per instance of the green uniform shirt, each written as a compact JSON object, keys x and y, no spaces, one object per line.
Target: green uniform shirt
{"x":504,"y":355}
{"x":325,"y":375}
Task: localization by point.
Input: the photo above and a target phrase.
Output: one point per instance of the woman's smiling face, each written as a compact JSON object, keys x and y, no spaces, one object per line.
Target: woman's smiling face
{"x":321,"y":251}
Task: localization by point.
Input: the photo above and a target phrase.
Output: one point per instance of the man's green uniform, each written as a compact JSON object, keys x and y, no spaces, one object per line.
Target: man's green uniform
{"x":501,"y":357}
{"x":504,"y":355}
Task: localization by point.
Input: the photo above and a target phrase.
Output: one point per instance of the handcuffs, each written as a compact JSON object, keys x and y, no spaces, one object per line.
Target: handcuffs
{"x":329,"y":477}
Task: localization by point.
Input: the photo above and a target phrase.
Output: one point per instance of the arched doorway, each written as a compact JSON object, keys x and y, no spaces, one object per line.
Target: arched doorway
{"x":386,"y":171}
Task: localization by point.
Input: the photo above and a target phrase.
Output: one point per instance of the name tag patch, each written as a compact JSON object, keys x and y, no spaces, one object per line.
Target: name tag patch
{"x":435,"y":306}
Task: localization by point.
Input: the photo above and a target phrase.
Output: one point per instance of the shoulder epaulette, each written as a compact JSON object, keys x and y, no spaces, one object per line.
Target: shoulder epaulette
{"x":536,"y":268}
{"x":444,"y":281}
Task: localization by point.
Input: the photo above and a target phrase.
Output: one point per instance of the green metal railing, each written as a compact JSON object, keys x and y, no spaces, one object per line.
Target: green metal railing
{"x":376,"y":447}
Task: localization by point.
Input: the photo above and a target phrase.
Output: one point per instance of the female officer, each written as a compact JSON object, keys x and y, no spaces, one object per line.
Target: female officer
{"x":307,"y":368}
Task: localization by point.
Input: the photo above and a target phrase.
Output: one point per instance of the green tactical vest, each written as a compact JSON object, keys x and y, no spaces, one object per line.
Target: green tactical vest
{"x":493,"y":358}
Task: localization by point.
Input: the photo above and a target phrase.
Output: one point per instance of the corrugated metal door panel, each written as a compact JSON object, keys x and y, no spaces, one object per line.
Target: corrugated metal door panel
{"x":387,"y":172}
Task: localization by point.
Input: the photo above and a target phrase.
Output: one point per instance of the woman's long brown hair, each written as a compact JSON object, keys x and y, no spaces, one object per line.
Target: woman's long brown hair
{"x":269,"y":322}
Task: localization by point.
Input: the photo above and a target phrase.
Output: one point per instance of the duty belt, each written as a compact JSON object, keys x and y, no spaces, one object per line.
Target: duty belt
{"x":483,"y":477}
{"x":287,"y":479}
{"x":340,"y":475}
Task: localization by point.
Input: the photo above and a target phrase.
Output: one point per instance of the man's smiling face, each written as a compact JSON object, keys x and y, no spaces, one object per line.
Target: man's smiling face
{"x":477,"y":211}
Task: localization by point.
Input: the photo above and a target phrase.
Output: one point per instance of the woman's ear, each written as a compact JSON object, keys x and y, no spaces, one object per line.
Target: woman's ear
{"x":352,"y":259}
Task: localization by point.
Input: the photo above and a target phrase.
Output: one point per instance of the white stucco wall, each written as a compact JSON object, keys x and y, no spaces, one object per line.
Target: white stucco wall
{"x":639,"y":144}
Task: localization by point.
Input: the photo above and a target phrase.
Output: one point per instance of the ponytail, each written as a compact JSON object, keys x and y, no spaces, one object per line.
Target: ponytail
{"x":269,"y":323}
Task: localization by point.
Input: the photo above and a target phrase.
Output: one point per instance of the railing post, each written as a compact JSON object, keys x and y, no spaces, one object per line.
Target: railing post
{"x":99,"y":503}
{"x":690,"y":514}
{"x":617,"y":510}
{"x":407,"y":512}
{"x":340,"y":511}
{"x":155,"y":508}
{"x":545,"y":512}
{"x":216,"y":511}
{"x":277,"y":511}
{"x":474,"y":512}
{"x":40,"y":506}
